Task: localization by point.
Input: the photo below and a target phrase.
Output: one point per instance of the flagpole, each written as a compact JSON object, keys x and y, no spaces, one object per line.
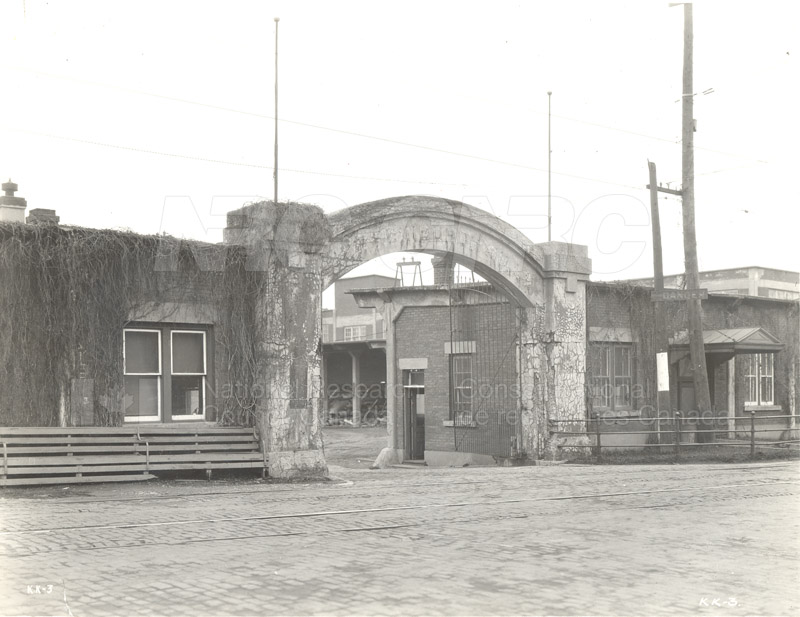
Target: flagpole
{"x":549,"y":152}
{"x":275,"y":172}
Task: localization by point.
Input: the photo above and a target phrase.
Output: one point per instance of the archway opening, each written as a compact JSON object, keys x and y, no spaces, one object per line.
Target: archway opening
{"x":472,"y":374}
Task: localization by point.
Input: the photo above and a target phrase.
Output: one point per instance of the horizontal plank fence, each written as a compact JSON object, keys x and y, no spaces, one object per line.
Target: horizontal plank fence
{"x":680,"y":432}
{"x":49,"y":455}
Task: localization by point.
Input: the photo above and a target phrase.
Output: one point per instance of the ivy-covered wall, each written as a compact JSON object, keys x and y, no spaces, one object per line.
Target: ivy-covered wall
{"x":624,"y":312}
{"x":66,"y":293}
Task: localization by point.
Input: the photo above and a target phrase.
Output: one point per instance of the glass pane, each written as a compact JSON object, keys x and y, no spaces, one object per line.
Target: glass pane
{"x":767,"y":367}
{"x":751,"y":365}
{"x":752,"y":389}
{"x":141,"y":396}
{"x":187,"y":353}
{"x":622,"y":392}
{"x":766,"y":390}
{"x":622,"y":362}
{"x":187,"y":396}
{"x":141,"y":352}
{"x":600,"y":392}
{"x":416,"y":378}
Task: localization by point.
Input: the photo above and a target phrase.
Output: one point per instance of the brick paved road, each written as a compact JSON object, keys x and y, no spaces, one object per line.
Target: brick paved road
{"x":567,"y":540}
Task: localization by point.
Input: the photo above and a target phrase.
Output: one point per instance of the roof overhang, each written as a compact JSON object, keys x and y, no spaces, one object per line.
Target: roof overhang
{"x":731,"y":341}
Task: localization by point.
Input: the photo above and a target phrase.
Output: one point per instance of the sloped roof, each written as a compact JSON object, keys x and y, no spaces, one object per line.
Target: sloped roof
{"x":735,"y":340}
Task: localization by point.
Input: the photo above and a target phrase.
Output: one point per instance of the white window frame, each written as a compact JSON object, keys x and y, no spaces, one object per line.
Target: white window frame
{"x":159,"y":376}
{"x":757,"y":367}
{"x":467,"y":412}
{"x":611,"y":388}
{"x":172,"y":373}
{"x":348,"y":333}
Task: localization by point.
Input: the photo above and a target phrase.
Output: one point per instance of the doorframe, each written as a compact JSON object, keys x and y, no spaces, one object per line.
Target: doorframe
{"x":410,"y":419}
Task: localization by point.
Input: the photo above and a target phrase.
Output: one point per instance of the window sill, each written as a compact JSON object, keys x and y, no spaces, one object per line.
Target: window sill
{"x":763,"y":408}
{"x":454,"y":424}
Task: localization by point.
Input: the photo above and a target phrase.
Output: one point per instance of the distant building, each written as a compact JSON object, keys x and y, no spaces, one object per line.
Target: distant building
{"x":747,"y":281}
{"x":454,"y":348}
{"x":349,"y":323}
{"x":353,"y":347}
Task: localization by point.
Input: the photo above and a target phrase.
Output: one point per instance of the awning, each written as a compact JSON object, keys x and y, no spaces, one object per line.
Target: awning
{"x":731,"y":341}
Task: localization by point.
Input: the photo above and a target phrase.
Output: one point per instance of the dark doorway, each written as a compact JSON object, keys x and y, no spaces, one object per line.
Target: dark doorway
{"x":414,"y":414}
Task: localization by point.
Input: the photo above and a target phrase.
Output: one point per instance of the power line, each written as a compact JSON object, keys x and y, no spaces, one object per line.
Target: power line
{"x":375,"y":137}
{"x":352,"y":133}
{"x":299,"y":171}
{"x":218,"y":161}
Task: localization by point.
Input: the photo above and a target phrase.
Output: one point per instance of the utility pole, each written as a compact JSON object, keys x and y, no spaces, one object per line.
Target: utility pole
{"x":696,"y":346}
{"x":275,"y":171}
{"x":663,"y":402}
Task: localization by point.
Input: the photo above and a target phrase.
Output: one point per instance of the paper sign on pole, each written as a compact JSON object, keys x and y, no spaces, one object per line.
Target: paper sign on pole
{"x":662,"y":369}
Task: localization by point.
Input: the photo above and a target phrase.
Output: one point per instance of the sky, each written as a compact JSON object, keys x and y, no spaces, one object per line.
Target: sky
{"x":159,"y":116}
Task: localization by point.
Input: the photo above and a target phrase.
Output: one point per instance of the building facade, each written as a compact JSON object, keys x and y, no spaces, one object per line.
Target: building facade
{"x":454,"y":351}
{"x":353,"y":354}
{"x":747,"y":281}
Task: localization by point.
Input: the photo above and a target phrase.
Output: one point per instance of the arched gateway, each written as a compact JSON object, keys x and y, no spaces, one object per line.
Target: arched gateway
{"x":303,"y":251}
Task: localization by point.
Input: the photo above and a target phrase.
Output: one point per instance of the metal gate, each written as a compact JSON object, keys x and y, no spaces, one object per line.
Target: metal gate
{"x":484,"y":371}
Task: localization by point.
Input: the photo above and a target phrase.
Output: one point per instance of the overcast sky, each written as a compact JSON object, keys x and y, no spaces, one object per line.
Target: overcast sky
{"x":137,"y":115}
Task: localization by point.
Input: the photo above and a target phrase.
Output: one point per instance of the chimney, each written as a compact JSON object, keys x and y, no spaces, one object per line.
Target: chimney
{"x":443,"y":269}
{"x":12,"y":209}
{"x":42,"y":216}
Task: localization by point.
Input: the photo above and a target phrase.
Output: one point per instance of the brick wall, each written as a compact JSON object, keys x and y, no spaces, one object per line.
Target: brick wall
{"x":422,"y":332}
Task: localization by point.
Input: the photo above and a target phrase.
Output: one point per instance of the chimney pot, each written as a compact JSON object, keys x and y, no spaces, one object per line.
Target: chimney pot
{"x":12,"y":209}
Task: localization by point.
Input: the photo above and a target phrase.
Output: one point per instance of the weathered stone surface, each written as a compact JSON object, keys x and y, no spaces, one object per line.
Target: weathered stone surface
{"x":387,"y":457}
{"x":302,"y":251}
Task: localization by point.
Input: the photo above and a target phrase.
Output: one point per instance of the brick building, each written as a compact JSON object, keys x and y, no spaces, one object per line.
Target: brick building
{"x":451,"y":372}
{"x":353,"y":351}
{"x":752,"y":349}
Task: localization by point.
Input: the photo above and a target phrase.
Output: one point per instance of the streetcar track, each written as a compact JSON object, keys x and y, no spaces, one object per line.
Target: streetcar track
{"x":388,"y":485}
{"x":349,"y":512}
{"x":426,"y":524}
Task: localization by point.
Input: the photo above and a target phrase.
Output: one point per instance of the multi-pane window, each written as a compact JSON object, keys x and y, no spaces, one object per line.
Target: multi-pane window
{"x":142,"y":370}
{"x":461,"y":395}
{"x":611,"y":376}
{"x":759,"y":378}
{"x":188,"y":372}
{"x":164,"y":373}
{"x":355,"y":333}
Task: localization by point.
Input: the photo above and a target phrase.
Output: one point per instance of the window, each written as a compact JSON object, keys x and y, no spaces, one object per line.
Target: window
{"x":188,"y":367}
{"x":165,"y":374}
{"x":142,"y":371}
{"x":355,"y":333}
{"x":461,"y":387}
{"x":610,"y":364}
{"x":759,"y":379}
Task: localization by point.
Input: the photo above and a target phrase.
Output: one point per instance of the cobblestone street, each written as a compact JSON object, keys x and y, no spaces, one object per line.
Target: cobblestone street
{"x":565,"y":540}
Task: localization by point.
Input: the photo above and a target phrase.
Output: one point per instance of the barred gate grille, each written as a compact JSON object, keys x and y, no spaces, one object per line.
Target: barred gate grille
{"x":484,"y":370}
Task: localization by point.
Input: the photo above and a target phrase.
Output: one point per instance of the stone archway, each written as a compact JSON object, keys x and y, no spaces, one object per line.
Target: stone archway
{"x":303,"y":251}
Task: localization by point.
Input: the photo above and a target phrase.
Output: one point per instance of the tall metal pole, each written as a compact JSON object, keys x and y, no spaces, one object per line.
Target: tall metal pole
{"x":549,"y":153}
{"x":694,"y":309}
{"x":275,"y":172}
